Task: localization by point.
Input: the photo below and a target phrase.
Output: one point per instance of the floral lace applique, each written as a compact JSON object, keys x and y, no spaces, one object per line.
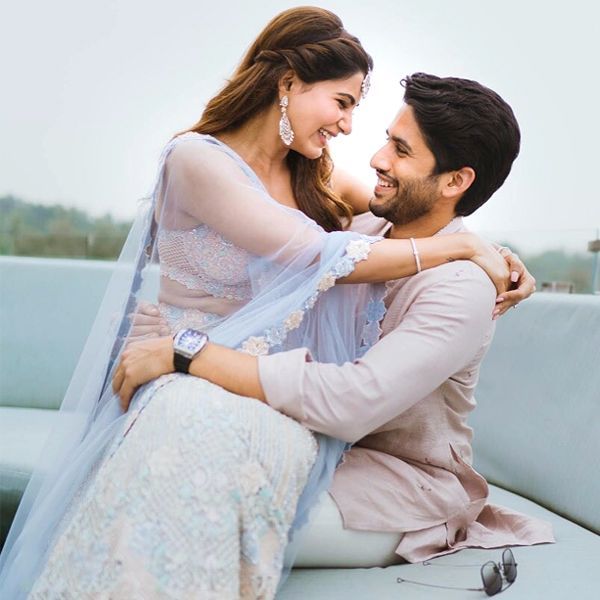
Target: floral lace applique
{"x":181,"y":318}
{"x":372,"y":329}
{"x":356,"y":251}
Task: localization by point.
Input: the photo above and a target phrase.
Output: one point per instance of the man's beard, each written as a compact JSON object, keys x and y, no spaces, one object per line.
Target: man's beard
{"x":414,"y":199}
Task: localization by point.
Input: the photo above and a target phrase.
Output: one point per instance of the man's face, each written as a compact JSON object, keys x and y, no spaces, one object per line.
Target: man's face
{"x":405,"y":189}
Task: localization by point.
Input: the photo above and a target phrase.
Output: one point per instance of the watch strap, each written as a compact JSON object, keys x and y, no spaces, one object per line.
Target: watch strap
{"x":181,"y":363}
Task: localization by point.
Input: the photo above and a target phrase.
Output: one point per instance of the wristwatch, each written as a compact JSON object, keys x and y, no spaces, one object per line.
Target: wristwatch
{"x":187,"y":344}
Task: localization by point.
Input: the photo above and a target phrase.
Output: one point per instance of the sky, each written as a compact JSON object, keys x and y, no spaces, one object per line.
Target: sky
{"x":91,"y":90}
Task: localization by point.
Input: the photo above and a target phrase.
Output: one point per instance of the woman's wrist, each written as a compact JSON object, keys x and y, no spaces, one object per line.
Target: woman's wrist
{"x":437,"y":250}
{"x":469,"y":246}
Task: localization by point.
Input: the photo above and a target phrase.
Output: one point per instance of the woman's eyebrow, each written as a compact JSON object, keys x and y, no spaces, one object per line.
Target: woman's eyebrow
{"x":350,"y":97}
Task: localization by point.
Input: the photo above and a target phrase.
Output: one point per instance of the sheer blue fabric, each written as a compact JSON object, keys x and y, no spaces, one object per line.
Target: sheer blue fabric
{"x":214,"y":251}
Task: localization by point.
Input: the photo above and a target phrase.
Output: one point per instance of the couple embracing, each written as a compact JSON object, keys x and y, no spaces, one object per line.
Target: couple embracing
{"x":310,"y":360}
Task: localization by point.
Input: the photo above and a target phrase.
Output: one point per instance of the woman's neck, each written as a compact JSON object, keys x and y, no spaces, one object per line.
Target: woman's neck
{"x":257,"y":141}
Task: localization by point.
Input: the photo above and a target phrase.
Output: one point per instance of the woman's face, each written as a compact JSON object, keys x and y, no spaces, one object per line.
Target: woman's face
{"x":321,"y":110}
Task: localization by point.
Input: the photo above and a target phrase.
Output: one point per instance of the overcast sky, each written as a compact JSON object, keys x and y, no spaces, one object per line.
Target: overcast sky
{"x":91,"y":90}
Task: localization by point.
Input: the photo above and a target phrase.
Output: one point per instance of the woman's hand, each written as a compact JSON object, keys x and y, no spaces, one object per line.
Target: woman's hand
{"x":492,"y":262}
{"x":147,"y":322}
{"x":140,"y":363}
{"x":522,"y":283}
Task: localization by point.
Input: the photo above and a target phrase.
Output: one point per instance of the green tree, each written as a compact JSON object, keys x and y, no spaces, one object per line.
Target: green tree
{"x":28,"y":229}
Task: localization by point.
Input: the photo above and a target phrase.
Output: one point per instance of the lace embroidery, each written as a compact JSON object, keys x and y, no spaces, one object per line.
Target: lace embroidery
{"x":196,"y":501}
{"x":356,"y":251}
{"x":182,"y":318}
{"x":202,"y":259}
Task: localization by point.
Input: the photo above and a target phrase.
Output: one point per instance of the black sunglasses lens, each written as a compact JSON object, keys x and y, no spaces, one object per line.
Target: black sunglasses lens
{"x":492,"y":580}
{"x":509,"y":564}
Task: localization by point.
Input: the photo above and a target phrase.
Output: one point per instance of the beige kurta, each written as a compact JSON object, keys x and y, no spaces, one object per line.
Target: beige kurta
{"x":404,"y":406}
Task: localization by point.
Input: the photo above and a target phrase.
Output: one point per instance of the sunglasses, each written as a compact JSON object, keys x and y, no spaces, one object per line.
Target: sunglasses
{"x":493,"y":575}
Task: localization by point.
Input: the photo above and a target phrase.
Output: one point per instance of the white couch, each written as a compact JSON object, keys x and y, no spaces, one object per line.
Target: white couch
{"x":537,"y":429}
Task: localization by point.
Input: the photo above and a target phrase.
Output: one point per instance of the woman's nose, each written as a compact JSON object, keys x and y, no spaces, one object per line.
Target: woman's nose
{"x":345,"y":124}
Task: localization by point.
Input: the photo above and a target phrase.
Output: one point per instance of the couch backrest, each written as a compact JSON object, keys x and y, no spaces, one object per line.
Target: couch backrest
{"x":47,"y":307}
{"x":537,"y":424}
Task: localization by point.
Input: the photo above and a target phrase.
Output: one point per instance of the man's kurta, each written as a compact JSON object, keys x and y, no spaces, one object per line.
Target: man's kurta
{"x":404,"y":405}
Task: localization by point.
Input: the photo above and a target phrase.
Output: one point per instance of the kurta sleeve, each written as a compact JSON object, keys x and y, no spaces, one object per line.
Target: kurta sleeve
{"x":445,"y":327}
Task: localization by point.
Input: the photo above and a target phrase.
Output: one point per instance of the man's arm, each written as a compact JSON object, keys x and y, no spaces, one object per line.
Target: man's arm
{"x":145,"y":360}
{"x":231,"y":369}
{"x":442,"y":331}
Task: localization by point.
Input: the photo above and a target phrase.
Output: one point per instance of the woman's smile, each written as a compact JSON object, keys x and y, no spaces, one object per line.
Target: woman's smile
{"x":324,"y":136}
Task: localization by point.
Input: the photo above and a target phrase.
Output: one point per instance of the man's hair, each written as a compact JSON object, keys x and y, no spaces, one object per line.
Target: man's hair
{"x":465,"y":124}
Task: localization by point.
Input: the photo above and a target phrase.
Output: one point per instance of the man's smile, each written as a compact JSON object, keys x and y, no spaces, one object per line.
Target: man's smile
{"x":384,"y":182}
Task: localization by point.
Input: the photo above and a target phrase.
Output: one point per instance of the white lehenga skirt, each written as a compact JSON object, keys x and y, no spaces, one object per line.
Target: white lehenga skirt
{"x":194,"y":500}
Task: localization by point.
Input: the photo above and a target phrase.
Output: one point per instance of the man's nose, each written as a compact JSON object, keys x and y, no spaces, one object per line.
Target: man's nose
{"x":380,"y":161}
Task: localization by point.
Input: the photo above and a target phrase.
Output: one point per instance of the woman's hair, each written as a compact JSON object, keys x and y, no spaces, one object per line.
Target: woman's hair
{"x":314,"y":44}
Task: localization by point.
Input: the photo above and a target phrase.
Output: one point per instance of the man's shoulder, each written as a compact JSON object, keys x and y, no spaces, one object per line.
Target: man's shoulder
{"x":458,"y":273}
{"x":368,"y":224}
{"x":455,"y":271}
{"x":459,"y":292}
{"x":456,"y":288}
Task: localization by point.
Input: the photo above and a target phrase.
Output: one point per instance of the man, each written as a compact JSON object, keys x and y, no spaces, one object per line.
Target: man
{"x":405,"y":404}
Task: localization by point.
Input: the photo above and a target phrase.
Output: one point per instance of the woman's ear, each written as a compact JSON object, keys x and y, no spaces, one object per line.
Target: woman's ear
{"x":286,"y":82}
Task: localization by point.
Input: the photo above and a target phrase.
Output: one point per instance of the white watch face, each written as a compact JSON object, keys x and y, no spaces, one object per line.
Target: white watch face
{"x":189,"y":341}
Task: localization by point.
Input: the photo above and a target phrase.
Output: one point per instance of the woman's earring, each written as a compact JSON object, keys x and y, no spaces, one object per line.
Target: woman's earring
{"x":285,"y":127}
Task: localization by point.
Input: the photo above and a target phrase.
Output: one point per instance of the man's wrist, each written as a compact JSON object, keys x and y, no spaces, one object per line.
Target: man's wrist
{"x":187,"y":344}
{"x":199,"y":364}
{"x":231,"y":369}
{"x":170,"y":354}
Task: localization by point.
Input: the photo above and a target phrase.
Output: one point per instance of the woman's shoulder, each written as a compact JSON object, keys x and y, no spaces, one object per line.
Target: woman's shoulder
{"x":202,"y":154}
{"x":190,"y":146}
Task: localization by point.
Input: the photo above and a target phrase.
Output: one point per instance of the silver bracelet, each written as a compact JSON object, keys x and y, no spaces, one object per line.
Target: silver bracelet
{"x":416,"y":254}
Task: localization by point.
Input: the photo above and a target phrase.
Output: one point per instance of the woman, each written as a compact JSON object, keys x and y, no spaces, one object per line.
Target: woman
{"x":120,"y":511}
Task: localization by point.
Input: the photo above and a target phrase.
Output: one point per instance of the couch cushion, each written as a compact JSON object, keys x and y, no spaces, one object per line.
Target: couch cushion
{"x":537,"y":424}
{"x":567,"y":569}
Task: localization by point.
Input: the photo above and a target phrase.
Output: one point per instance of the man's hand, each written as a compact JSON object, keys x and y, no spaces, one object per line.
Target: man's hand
{"x":141,"y":362}
{"x":147,"y":322}
{"x":522,"y":284}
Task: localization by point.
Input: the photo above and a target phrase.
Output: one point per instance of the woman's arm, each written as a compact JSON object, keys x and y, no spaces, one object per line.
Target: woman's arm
{"x":351,"y":190}
{"x":393,"y":259}
{"x":205,"y":186}
{"x":147,"y":322}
